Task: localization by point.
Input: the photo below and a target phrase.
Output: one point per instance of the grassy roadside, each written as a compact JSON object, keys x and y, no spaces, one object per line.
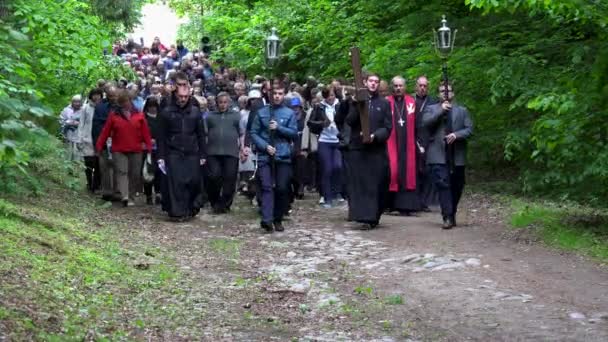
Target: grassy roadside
{"x":565,"y":225}
{"x":63,"y":273}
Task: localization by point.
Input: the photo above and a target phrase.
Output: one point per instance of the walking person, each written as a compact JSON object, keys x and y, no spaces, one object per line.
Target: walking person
{"x":152,"y":189}
{"x":223,"y":140}
{"x":330,"y":157}
{"x":182,"y":150}
{"x":298,"y":157}
{"x":403,"y":151}
{"x":427,"y":192}
{"x":450,"y":127}
{"x":69,"y":121}
{"x":273,"y":131}
{"x":86,"y":146}
{"x":247,"y":158}
{"x":367,"y":161}
{"x":129,"y":131}
{"x":106,"y":164}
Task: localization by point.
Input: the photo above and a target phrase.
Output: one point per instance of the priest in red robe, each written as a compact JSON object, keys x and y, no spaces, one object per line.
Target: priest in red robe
{"x":402,"y":150}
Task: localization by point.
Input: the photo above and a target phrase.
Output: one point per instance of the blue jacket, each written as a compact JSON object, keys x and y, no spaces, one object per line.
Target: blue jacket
{"x":100,"y":116}
{"x":284,"y":135}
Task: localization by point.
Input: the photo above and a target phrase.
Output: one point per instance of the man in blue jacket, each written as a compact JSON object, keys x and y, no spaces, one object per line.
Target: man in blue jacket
{"x":100,"y":116}
{"x":272,"y":131}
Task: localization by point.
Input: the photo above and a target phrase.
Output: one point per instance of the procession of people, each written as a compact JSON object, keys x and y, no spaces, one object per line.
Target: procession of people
{"x":189,"y":133}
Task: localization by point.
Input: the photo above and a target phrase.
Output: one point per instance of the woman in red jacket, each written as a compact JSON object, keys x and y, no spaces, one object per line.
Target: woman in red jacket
{"x":129,"y":132}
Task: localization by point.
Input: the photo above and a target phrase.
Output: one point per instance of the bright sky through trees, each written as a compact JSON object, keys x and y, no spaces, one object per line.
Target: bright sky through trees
{"x":157,"y":20}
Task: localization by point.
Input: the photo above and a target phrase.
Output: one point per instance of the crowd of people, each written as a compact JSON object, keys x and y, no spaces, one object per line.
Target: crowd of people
{"x":188,"y":133}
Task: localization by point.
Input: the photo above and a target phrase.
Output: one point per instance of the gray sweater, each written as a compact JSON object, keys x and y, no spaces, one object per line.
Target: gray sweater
{"x":223,"y":133}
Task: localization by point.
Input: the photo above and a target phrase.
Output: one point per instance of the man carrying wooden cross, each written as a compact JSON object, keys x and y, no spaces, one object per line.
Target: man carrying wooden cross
{"x":366,"y":159}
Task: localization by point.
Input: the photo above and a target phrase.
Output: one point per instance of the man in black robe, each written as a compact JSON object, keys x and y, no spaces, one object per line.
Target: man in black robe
{"x":182,"y":149}
{"x":426,"y":189}
{"x":367,"y":163}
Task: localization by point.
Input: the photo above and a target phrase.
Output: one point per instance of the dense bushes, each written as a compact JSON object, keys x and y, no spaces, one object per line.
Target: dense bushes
{"x":51,"y":51}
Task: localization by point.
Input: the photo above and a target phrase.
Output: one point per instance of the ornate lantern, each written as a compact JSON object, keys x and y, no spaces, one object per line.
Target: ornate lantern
{"x":273,"y":47}
{"x":444,"y":39}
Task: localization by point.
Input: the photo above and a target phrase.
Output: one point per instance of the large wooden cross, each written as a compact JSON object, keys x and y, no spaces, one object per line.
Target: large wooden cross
{"x":361,"y":94}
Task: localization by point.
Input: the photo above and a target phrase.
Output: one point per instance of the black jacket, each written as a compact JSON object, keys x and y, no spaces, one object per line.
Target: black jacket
{"x":380,"y":122}
{"x":100,"y":116}
{"x":181,"y":130}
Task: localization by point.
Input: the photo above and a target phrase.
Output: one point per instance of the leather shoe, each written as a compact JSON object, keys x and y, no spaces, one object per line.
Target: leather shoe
{"x":447,"y":223}
{"x":278,"y":226}
{"x":266,"y":226}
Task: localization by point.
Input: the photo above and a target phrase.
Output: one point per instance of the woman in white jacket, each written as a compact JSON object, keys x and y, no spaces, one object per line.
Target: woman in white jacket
{"x":86,"y":145}
{"x":330,"y":158}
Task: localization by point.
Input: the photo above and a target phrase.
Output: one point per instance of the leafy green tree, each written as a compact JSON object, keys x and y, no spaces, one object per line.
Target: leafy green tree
{"x":532,"y":72}
{"x":52,"y":50}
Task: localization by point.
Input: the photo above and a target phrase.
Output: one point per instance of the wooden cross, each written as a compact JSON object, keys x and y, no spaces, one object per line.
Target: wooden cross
{"x":361,"y":94}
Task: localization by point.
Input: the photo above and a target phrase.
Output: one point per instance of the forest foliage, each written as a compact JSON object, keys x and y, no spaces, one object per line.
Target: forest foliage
{"x":533,"y":73}
{"x":52,"y":50}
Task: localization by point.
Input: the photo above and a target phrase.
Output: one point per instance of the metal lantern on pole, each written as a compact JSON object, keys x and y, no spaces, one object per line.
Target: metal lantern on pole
{"x":444,"y":45}
{"x":273,"y":51}
{"x":273,"y":47}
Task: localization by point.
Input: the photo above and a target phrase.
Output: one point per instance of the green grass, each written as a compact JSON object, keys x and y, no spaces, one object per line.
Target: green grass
{"x":364,"y":290}
{"x":61,"y":280}
{"x":231,"y":248}
{"x":569,"y":227}
{"x":64,"y":275}
{"x":393,"y":300}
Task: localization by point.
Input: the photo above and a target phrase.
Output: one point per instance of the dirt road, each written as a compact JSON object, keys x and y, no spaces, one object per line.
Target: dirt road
{"x":323,"y":279}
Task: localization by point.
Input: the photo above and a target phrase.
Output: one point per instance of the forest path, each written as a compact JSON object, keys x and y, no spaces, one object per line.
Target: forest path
{"x":324,"y":279}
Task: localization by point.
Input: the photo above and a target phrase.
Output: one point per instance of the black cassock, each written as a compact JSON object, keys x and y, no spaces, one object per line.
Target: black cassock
{"x":366,"y":165}
{"x":182,"y":146}
{"x":426,"y":190}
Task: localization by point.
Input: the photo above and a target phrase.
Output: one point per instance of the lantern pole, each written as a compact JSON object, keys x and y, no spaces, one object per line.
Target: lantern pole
{"x":272,"y":55}
{"x":444,"y":45}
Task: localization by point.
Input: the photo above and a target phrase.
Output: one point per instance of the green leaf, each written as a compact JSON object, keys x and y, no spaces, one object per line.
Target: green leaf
{"x":16,"y":35}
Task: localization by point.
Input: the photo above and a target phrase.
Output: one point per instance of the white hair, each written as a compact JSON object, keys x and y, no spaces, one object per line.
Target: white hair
{"x":400,"y":78}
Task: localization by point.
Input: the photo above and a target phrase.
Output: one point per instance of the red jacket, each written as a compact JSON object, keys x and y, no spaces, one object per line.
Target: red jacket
{"x":127,"y":134}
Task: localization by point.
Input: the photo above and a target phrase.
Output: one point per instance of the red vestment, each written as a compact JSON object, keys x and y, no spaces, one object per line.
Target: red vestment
{"x":410,"y":150}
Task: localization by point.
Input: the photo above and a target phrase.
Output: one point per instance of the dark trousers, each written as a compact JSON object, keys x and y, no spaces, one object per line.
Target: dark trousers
{"x":449,"y":186}
{"x":457,"y":186}
{"x":330,"y":161}
{"x":108,"y":178}
{"x":441,"y":179}
{"x":92,"y":173}
{"x":275,"y":201}
{"x":310,"y":175}
{"x":298,"y":179}
{"x":222,"y":172}
{"x":153,"y":186}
